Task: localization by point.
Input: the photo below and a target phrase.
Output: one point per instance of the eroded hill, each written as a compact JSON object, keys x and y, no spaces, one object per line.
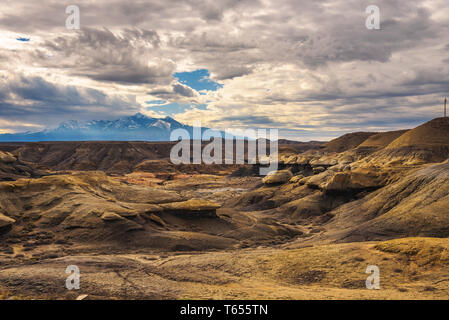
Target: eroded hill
{"x":12,"y":169}
{"x":156,"y":230}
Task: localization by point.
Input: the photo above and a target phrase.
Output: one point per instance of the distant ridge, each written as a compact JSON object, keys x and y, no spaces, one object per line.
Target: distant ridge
{"x":381,"y":139}
{"x":132,"y":128}
{"x":347,"y":141}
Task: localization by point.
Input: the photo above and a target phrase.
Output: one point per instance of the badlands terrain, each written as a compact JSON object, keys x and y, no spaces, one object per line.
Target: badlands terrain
{"x":139,"y":227}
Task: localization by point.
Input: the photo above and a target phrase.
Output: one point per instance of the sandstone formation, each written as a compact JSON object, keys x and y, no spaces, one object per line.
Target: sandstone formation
{"x":192,"y":207}
{"x":5,"y":221}
{"x":415,"y":205}
{"x":280,"y":176}
{"x":12,"y":169}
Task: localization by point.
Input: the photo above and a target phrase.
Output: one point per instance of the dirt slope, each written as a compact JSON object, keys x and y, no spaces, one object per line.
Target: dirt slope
{"x":432,"y":133}
{"x":381,"y":139}
{"x":428,"y":143}
{"x":410,"y":268}
{"x":347,"y":141}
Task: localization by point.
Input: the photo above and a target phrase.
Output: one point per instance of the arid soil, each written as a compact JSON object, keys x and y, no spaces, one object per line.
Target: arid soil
{"x":139,"y":227}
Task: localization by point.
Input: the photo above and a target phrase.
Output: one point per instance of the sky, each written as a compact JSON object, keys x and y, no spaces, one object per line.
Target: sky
{"x":308,"y":68}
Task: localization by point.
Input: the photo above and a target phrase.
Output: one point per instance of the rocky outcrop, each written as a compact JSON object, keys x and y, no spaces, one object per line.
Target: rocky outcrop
{"x":13,"y":169}
{"x":192,"y":207}
{"x":350,"y":181}
{"x":296,"y":178}
{"x":111,"y":216}
{"x":317,"y":161}
{"x":7,"y":158}
{"x":277,"y":177}
{"x":415,"y":205}
{"x":82,"y":206}
{"x":317,"y":181}
{"x":319,"y":169}
{"x":5,"y":222}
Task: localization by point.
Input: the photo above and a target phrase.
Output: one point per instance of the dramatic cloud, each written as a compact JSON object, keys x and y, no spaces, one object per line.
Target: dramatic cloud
{"x":33,"y":98}
{"x":105,"y":56}
{"x":310,"y":68}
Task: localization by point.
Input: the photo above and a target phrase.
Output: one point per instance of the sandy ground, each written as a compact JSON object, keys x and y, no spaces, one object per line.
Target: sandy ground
{"x":322,"y":272}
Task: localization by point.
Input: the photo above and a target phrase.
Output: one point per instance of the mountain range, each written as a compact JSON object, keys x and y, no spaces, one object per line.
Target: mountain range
{"x":132,"y":128}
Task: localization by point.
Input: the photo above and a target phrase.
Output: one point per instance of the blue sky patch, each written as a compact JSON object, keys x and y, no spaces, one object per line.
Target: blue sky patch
{"x":23,"y":39}
{"x":156,"y":102}
{"x":198,"y":80}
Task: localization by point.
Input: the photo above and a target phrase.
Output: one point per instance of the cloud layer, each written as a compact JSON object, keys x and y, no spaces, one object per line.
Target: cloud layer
{"x":309,"y":68}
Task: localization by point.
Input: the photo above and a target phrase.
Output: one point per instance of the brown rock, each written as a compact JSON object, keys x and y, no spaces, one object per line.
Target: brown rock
{"x":317,"y":170}
{"x":6,"y":221}
{"x":111,"y":216}
{"x":353,"y":180}
{"x":6,"y":157}
{"x":280,"y":176}
{"x":296,"y":179}
{"x":318,"y":181}
{"x":193,"y":206}
{"x":157,"y":220}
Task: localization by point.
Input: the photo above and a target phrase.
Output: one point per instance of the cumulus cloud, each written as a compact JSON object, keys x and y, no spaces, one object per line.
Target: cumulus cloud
{"x":37,"y":101}
{"x":130,"y":56}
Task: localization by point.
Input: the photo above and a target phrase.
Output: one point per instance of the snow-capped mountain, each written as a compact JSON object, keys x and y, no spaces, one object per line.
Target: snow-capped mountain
{"x":136,"y":127}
